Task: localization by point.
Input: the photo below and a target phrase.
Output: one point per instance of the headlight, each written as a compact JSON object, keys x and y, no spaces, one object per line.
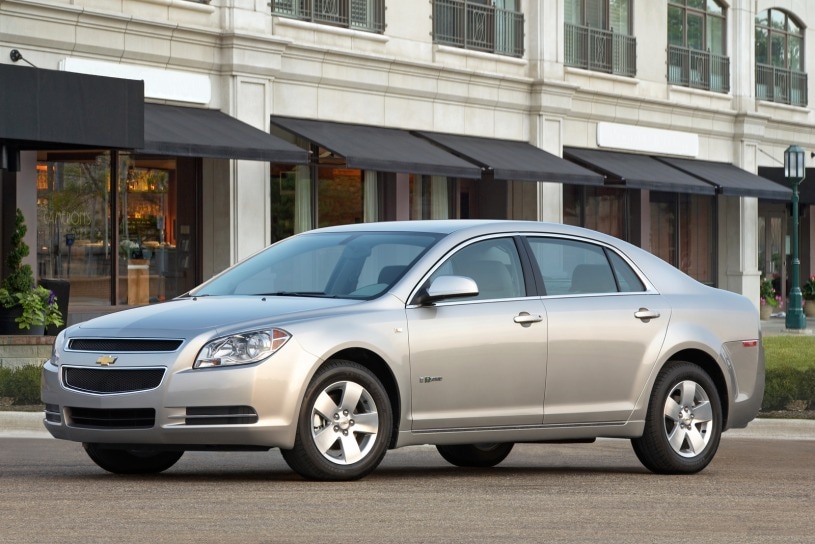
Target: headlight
{"x":241,"y":349}
{"x":59,"y":343}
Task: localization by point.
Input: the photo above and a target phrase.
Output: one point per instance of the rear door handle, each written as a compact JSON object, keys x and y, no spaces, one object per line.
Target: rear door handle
{"x":646,"y":315}
{"x":526,"y":319}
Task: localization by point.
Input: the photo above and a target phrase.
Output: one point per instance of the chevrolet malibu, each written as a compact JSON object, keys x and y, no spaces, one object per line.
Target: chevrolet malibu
{"x":338,"y":344}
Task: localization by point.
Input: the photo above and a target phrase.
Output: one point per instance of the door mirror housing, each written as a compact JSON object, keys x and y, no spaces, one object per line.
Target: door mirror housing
{"x":446,"y":287}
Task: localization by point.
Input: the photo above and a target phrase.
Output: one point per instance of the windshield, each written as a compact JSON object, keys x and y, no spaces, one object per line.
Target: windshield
{"x":342,"y":265}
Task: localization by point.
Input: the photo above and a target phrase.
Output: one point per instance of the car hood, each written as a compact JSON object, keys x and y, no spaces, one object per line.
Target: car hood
{"x":199,"y":314}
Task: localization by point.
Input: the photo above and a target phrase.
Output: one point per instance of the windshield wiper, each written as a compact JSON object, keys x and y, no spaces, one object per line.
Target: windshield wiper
{"x":296,"y":294}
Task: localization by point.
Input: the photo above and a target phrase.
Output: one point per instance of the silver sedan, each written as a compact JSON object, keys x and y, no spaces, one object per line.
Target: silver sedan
{"x":338,"y":344}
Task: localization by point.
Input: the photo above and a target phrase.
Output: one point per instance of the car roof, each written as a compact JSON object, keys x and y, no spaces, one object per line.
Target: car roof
{"x":449,"y":226}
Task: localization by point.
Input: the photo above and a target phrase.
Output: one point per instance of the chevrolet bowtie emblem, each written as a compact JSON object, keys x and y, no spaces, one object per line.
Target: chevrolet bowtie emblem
{"x":106,"y":360}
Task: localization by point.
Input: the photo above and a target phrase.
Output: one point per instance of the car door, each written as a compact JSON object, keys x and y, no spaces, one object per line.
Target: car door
{"x":479,"y":361}
{"x":605,"y":331}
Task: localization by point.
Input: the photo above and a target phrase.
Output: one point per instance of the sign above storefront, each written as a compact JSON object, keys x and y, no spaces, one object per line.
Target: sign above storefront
{"x":647,"y":140}
{"x":159,"y":83}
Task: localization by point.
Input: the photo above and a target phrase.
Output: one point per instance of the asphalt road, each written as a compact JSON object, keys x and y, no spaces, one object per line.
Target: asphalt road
{"x":755,"y":491}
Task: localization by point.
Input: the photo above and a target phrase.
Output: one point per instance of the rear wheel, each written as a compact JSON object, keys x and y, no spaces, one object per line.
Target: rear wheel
{"x":345,"y":424}
{"x":131,"y":461}
{"x":475,"y":455}
{"x":684,"y":422}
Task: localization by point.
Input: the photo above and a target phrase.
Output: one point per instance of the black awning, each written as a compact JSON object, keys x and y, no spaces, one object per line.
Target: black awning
{"x":806,"y":190}
{"x":514,"y":160}
{"x":42,"y":109}
{"x":379,"y":148}
{"x":731,"y":180}
{"x":638,"y":171}
{"x":194,"y":132}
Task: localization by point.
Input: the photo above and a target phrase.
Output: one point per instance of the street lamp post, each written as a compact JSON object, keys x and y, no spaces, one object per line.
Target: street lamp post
{"x":794,"y":173}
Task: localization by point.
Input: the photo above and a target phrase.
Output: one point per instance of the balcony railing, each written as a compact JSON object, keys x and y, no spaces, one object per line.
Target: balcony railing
{"x":698,"y":69}
{"x":781,"y":85}
{"x":461,"y":23}
{"x":367,"y":15}
{"x":601,"y":50}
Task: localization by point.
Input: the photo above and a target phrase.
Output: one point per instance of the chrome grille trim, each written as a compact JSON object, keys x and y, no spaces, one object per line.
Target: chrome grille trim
{"x":124,"y":345}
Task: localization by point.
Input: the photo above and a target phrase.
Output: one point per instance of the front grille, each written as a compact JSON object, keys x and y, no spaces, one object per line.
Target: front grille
{"x":130,"y":418}
{"x":108,"y":381}
{"x":221,"y":415}
{"x":119,"y":345}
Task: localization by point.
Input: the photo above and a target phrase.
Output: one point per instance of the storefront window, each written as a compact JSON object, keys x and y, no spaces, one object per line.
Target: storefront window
{"x":429,"y":197}
{"x":682,"y":229}
{"x":157,"y":244}
{"x":597,"y":208}
{"x":339,"y":196}
{"x":73,"y":231}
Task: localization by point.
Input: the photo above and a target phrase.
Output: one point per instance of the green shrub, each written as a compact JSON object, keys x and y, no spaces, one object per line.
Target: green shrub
{"x":21,"y":383}
{"x":785,"y":384}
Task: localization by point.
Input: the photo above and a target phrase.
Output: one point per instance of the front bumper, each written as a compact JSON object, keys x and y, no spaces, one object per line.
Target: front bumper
{"x":242,"y":406}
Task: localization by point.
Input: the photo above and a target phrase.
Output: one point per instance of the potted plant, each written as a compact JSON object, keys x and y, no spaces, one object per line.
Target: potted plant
{"x":808,"y":292}
{"x":769,"y":300}
{"x":27,"y":308}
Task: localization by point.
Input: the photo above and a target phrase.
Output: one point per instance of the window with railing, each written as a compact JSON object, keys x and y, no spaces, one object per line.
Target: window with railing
{"x":365,"y":15}
{"x":598,"y":36}
{"x":696,"y":45}
{"x":780,"y":75}
{"x":474,"y":24}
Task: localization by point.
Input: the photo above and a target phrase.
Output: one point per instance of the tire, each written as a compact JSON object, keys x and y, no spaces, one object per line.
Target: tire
{"x":475,"y":455}
{"x":131,"y":461}
{"x":683,"y":425}
{"x":345,"y":424}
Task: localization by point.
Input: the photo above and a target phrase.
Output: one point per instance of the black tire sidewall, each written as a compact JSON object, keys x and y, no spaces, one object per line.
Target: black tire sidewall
{"x":306,"y":459}
{"x":653,"y":449}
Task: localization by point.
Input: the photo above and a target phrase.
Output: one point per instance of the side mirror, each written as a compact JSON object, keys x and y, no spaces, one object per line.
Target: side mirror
{"x":444,"y":287}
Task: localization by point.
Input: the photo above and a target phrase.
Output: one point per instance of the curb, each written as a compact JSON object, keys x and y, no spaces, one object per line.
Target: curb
{"x":30,"y":425}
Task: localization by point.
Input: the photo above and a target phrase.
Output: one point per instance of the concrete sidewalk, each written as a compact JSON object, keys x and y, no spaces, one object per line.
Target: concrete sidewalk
{"x":777,"y":326}
{"x":29,"y":425}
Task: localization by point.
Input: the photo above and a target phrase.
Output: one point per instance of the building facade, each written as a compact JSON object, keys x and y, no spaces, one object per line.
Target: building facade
{"x":661,"y":122}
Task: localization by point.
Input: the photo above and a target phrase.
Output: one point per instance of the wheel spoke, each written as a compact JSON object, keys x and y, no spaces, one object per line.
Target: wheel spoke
{"x":672,"y":409}
{"x":325,"y":406}
{"x":688,"y":392}
{"x":677,"y":438}
{"x":350,"y":448}
{"x":696,"y":440}
{"x":703,"y":413}
{"x":351,"y":395}
{"x":366,"y":423}
{"x":324,"y":439}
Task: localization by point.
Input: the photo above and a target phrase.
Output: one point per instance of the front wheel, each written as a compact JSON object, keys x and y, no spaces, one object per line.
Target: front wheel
{"x":345,"y":424}
{"x":684,"y":422}
{"x":120,"y":461}
{"x":475,"y":455}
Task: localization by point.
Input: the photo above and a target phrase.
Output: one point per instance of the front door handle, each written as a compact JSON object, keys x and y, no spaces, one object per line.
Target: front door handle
{"x":646,"y":315}
{"x":525,"y":319}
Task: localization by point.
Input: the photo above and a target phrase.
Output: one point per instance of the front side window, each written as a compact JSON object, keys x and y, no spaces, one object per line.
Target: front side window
{"x":493,"y":264}
{"x":366,"y":15}
{"x":571,"y":267}
{"x":494,"y":27}
{"x":780,"y":73}
{"x":696,"y":45}
{"x":599,"y":38}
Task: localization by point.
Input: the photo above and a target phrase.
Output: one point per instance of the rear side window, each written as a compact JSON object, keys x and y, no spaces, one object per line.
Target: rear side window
{"x":572,"y":267}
